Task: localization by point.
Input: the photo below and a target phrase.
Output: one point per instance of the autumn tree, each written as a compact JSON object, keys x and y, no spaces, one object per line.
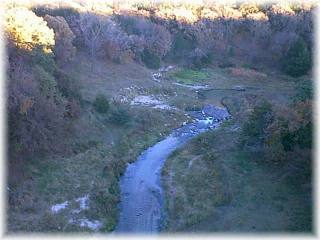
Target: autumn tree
{"x":158,"y":40}
{"x":248,"y":8}
{"x":64,"y":49}
{"x":26,"y":30}
{"x":281,"y":17}
{"x":117,"y":43}
{"x":34,"y":104}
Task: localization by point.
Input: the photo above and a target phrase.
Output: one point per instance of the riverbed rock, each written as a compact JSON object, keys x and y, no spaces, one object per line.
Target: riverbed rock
{"x":216,"y":112}
{"x":239,"y":88}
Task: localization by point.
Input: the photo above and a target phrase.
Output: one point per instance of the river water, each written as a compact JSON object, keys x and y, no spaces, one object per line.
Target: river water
{"x":141,"y":206}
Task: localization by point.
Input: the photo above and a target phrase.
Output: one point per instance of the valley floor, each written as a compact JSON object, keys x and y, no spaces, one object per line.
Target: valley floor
{"x":79,"y":191}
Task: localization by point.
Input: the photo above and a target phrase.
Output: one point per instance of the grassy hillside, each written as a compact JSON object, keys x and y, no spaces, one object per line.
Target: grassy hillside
{"x":100,"y":147}
{"x":215,"y":187}
{"x":214,"y":184}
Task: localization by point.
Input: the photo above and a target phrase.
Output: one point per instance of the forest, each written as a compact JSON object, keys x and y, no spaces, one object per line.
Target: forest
{"x":92,"y":84}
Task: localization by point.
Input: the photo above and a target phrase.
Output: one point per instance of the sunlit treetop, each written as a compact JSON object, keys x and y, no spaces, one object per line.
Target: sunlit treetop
{"x":181,"y":14}
{"x":27,"y":31}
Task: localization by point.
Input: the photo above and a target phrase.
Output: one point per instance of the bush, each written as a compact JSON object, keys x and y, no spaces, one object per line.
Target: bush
{"x":200,"y":59}
{"x":43,"y":59}
{"x":68,"y":85}
{"x":297,"y":61}
{"x":254,"y":130}
{"x":101,"y":104}
{"x":226,"y":64}
{"x":304,"y":136}
{"x":304,"y":90}
{"x":287,"y":139}
{"x":47,"y":83}
{"x":150,"y":60}
{"x":301,"y":136}
{"x":120,"y":116}
{"x":182,"y":45}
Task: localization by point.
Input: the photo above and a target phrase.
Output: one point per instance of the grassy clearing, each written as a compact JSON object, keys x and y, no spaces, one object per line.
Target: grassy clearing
{"x":189,"y":76}
{"x":277,"y":88}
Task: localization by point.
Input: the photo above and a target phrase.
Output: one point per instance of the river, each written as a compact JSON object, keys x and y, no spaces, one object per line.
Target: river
{"x":141,"y":206}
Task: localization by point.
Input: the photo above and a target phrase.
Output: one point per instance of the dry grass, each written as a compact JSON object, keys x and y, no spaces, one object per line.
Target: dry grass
{"x":103,"y":76}
{"x":260,"y":200}
{"x":233,"y":193}
{"x":248,"y":73}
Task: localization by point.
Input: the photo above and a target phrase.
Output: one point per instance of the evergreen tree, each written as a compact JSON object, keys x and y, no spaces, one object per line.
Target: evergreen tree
{"x":297,"y":62}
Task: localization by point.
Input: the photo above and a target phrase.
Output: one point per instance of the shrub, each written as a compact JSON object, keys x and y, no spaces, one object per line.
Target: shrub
{"x":304,"y":90}
{"x":301,"y":137}
{"x":200,"y":59}
{"x":120,"y":115}
{"x":297,"y":61}
{"x":72,"y":109}
{"x":304,"y":136}
{"x":287,"y":138}
{"x":274,"y":150}
{"x":47,"y":83}
{"x":182,"y":45}
{"x":68,"y":85}
{"x":254,"y":130}
{"x":192,"y":108}
{"x":225,"y":63}
{"x":43,"y":59}
{"x":101,"y":104}
{"x":150,"y":60}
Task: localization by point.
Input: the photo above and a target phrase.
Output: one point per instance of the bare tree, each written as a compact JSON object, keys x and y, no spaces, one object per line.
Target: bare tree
{"x":92,"y":30}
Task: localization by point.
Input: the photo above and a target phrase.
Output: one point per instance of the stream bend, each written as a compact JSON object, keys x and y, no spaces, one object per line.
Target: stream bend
{"x":141,"y":206}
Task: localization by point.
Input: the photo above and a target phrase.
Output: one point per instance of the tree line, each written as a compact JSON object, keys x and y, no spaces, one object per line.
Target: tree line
{"x":43,"y":97}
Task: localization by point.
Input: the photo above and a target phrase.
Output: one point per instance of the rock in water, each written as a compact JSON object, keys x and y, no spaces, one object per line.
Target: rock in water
{"x":216,"y":112}
{"x":239,"y":88}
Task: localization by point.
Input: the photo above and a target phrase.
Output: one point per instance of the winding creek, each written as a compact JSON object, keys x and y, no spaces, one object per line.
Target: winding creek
{"x":142,"y":198}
